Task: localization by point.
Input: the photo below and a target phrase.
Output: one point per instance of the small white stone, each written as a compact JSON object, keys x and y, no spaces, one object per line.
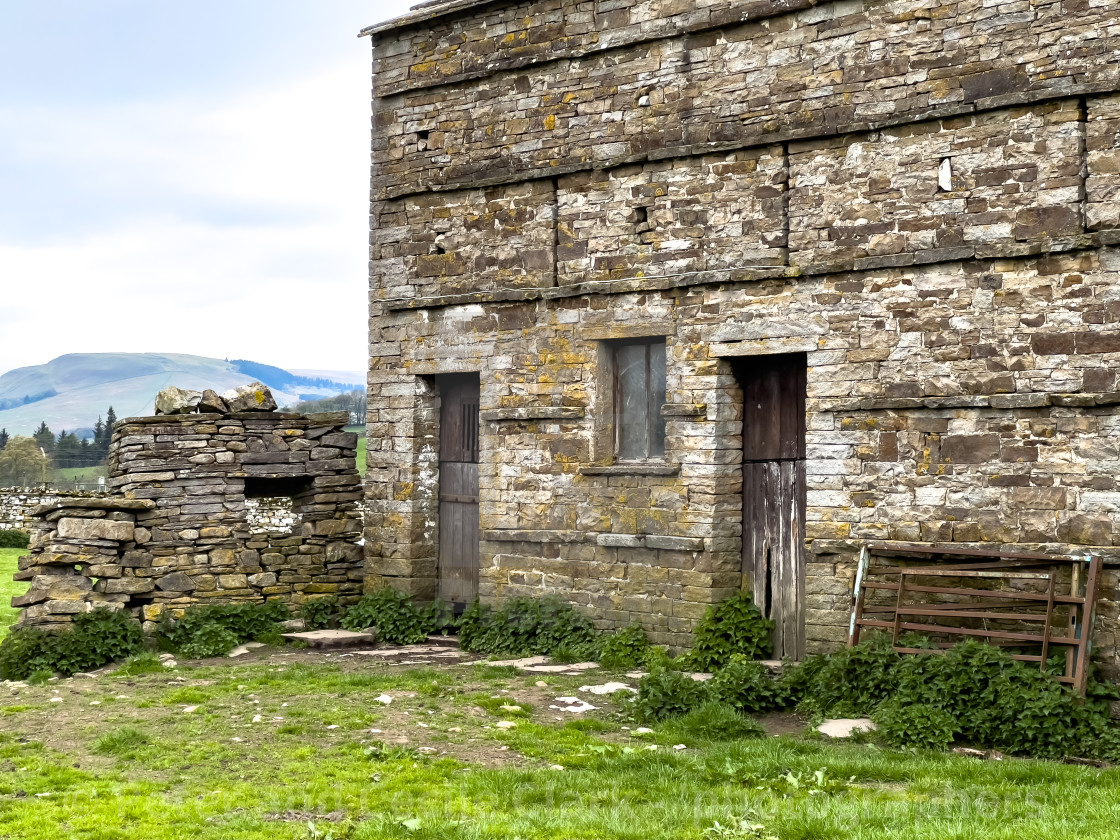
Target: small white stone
{"x":333,"y":726}
{"x":383,"y":699}
{"x":556,"y":767}
{"x":56,"y":699}
{"x":95,"y":703}
{"x":506,"y":724}
{"x":846,"y":727}
{"x":236,"y":740}
{"x":257,"y":718}
{"x":643,"y":730}
{"x":189,"y":709}
{"x":510,"y":708}
{"x":679,"y":747}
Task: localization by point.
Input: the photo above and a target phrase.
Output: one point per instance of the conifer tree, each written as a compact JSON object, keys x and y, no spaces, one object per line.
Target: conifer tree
{"x":44,"y":437}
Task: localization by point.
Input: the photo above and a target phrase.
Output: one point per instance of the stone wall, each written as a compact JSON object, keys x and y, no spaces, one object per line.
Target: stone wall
{"x":890,"y":188}
{"x":270,"y":516}
{"x":534,"y":89}
{"x":17,"y":505}
{"x":175,"y":531}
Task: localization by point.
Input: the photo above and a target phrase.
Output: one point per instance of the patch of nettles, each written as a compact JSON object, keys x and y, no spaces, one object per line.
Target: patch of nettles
{"x":973,"y":694}
{"x":94,"y":639}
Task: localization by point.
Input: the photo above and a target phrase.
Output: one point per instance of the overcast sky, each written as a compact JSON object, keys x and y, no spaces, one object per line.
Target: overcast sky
{"x":185,"y":177}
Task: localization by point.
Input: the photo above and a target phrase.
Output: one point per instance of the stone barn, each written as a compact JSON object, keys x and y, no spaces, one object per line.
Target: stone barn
{"x":670,"y":299}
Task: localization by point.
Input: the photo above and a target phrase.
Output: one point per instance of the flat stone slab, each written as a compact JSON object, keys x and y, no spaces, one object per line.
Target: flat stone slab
{"x":608,"y":688}
{"x":241,"y":650}
{"x":543,"y":665}
{"x":423,"y":654}
{"x":846,"y":727}
{"x":572,"y":705}
{"x":331,"y":638}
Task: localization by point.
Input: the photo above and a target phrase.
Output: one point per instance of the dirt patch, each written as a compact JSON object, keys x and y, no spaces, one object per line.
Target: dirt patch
{"x":783,"y":723}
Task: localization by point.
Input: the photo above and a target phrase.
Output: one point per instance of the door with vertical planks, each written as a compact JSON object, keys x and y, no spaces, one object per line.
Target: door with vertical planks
{"x":774,"y":492}
{"x":458,"y":487}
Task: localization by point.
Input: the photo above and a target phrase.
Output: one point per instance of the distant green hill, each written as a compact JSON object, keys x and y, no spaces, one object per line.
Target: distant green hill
{"x":72,"y":391}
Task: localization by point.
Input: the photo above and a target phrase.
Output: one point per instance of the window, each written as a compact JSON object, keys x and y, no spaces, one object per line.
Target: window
{"x":639,"y":393}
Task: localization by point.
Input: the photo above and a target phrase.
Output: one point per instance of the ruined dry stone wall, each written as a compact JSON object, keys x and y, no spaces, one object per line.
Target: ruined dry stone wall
{"x":175,"y":531}
{"x":920,"y":196}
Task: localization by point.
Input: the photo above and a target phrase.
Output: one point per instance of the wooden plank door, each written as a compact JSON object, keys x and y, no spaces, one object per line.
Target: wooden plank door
{"x":458,"y":488}
{"x":774,"y":493}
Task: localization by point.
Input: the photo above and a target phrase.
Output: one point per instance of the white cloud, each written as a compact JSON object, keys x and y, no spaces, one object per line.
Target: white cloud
{"x":233,"y":227}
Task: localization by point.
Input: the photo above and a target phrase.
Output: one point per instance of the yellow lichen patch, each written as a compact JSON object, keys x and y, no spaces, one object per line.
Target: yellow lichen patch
{"x":402,"y":492}
{"x":550,"y":122}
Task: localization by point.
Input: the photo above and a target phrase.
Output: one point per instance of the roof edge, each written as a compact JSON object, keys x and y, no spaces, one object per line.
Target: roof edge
{"x":424,"y":12}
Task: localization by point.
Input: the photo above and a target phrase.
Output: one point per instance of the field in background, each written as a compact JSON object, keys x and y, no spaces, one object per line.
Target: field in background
{"x":361,"y":432}
{"x":8,"y":587}
{"x":90,"y":474}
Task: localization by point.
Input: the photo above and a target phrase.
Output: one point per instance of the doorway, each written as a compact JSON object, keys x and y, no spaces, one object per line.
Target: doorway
{"x":458,"y":488}
{"x":774,"y":390}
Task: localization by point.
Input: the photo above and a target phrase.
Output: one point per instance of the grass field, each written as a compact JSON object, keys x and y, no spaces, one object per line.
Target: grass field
{"x":81,"y":473}
{"x":8,"y":587}
{"x":260,"y":749}
{"x":362,"y":455}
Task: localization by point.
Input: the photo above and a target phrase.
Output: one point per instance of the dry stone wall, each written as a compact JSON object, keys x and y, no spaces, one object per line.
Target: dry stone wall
{"x":18,"y":505}
{"x":920,"y":196}
{"x":176,"y":531}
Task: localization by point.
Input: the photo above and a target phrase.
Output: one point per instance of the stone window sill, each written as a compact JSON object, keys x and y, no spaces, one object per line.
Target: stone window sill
{"x":649,"y":468}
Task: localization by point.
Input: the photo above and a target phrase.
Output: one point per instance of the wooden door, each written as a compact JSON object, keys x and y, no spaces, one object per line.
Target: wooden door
{"x":774,"y":493}
{"x":458,"y":487}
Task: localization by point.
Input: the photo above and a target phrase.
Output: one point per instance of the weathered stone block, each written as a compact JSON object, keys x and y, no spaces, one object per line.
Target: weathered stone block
{"x":74,"y":528}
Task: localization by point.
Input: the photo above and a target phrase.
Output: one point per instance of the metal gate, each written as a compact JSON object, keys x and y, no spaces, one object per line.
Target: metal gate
{"x":458,"y":487}
{"x":774,"y":492}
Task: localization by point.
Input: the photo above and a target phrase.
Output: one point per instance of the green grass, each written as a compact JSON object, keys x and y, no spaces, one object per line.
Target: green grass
{"x":8,"y":587}
{"x":362,"y":455}
{"x":255,"y":751}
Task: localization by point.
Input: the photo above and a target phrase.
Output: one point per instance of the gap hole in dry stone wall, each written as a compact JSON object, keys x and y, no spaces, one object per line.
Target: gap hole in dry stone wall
{"x":945,"y":175}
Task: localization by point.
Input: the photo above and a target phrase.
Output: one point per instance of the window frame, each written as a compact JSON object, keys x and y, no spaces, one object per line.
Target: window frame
{"x":654,"y":417}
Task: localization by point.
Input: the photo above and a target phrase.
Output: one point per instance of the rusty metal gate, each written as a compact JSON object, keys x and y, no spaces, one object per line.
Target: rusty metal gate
{"x":458,"y":487}
{"x":774,"y":492}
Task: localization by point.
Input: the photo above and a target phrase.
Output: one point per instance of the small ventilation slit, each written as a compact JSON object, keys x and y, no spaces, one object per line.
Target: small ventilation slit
{"x":945,"y":175}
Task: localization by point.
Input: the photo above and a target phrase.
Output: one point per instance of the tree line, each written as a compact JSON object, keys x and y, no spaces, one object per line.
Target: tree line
{"x":29,"y":460}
